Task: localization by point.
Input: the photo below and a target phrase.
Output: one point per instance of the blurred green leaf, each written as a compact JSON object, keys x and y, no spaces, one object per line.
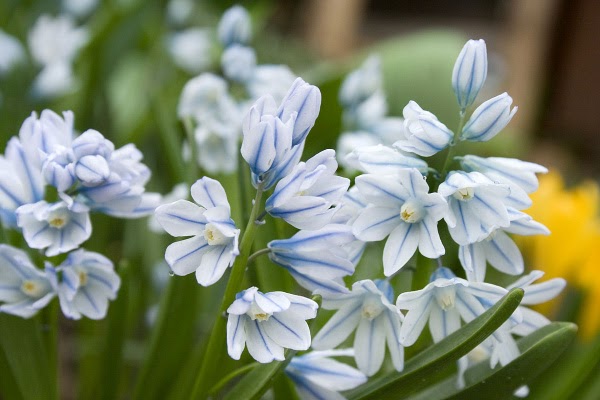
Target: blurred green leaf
{"x":424,"y":367}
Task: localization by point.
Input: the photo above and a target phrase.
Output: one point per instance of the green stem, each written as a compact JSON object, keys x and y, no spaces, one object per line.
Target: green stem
{"x":422,"y":272}
{"x":219,"y":385}
{"x":450,"y":150}
{"x":216,"y":344}
{"x":258,"y":253}
{"x":192,"y":167}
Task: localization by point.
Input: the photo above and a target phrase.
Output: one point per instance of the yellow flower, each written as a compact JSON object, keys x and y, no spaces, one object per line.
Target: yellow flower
{"x":572,"y":250}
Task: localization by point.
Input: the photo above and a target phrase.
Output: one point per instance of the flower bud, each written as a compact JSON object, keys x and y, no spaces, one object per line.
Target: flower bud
{"x":91,"y":142}
{"x":58,"y":169}
{"x":470,"y":71}
{"x":234,"y":26}
{"x":489,"y":119}
{"x":92,"y":170}
{"x":425,"y":135}
{"x":304,"y":99}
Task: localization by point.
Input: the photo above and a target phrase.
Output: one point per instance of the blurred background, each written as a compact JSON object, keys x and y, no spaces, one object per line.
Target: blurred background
{"x":124,"y":72}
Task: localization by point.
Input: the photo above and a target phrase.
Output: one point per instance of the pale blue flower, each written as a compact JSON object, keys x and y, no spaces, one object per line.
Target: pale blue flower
{"x":267,"y":323}
{"x":54,"y":40}
{"x":401,"y":207}
{"x":24,"y":289}
{"x":214,"y":242}
{"x":234,"y":27}
{"x":318,"y":259}
{"x":306,"y":197}
{"x":361,"y":83}
{"x":12,"y":52}
{"x":191,"y":49}
{"x":383,"y":160}
{"x":469,"y":73}
{"x":489,"y":119}
{"x":425,"y":135}
{"x":274,"y":80}
{"x":477,"y":206}
{"x":238,"y":62}
{"x":444,"y":302}
{"x":318,"y":376}
{"x":57,"y":227}
{"x":87,"y":282}
{"x":369,"y":311}
{"x":304,"y":100}
{"x":498,"y":249}
{"x":519,"y":175}
{"x":47,"y":134}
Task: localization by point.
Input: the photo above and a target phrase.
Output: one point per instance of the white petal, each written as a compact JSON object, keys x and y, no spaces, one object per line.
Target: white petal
{"x":532,"y":321}
{"x":375,"y":223}
{"x":415,"y":321}
{"x":400,"y":247}
{"x":213,"y":264}
{"x":542,"y":292}
{"x":272,"y":302}
{"x":181,"y":218}
{"x":301,"y":306}
{"x":236,"y":335}
{"x":384,"y":191}
{"x":209,"y":193}
{"x":472,"y":258}
{"x":339,"y":327}
{"x":328,"y":373}
{"x":369,"y":345}
{"x":503,"y":254}
{"x":443,"y":322}
{"x":90,"y":303}
{"x":430,"y":244}
{"x":261,"y":347}
{"x":392,"y":334}
{"x":288,"y":331}
{"x":184,"y":257}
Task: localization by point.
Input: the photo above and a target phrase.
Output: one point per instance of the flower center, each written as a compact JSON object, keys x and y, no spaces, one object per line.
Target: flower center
{"x":372,"y":307}
{"x":83,"y":277}
{"x":58,"y":218}
{"x":214,"y":236}
{"x":445,"y":297}
{"x":464,"y":194}
{"x":32,"y":288}
{"x":411,"y":212}
{"x":257,"y":313}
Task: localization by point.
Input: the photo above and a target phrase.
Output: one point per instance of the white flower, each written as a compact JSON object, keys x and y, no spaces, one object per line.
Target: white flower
{"x":306,"y":198}
{"x":12,"y":52}
{"x":214,"y":242}
{"x":317,"y":376}
{"x":367,"y":309}
{"x":58,"y":227}
{"x":274,"y":80}
{"x":234,"y":27}
{"x":477,"y":206}
{"x":317,"y":259}
{"x":79,"y":8}
{"x":267,"y":323}
{"x":179,"y":191}
{"x":88,"y":282}
{"x":489,"y":119}
{"x":444,"y":302}
{"x":190,"y":49}
{"x":382,"y":160}
{"x":238,"y":62}
{"x":24,"y":289}
{"x":402,"y":208}
{"x":55,"y":40}
{"x":498,"y":249}
{"x":304,"y":100}
{"x":425,"y":135}
{"x":469,"y":73}
{"x":361,"y":83}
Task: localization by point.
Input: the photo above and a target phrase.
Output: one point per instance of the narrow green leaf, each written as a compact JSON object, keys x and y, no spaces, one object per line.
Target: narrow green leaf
{"x":427,"y":365}
{"x":22,"y":344}
{"x":255,"y":383}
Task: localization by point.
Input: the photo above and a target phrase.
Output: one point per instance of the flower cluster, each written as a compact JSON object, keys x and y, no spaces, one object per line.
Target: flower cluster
{"x":50,"y":182}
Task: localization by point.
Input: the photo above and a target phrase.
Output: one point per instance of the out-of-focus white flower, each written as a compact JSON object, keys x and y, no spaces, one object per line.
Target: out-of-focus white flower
{"x":368,"y":309}
{"x":425,"y":135}
{"x":24,"y":289}
{"x":191,"y":49}
{"x":361,"y":83}
{"x":235,"y":26}
{"x":88,"y":281}
{"x":179,"y":11}
{"x":79,"y":8}
{"x":383,"y":160}
{"x":489,"y":119}
{"x":470,"y":71}
{"x":11,"y":52}
{"x":274,"y":80}
{"x":54,"y":80}
{"x":238,"y":62}
{"x":55,"y":40}
{"x":267,"y":323}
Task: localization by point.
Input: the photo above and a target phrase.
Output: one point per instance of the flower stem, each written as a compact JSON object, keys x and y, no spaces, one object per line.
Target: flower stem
{"x":192,"y":167}
{"x":219,"y":385}
{"x":216,"y":342}
{"x":450,"y":151}
{"x":258,"y":253}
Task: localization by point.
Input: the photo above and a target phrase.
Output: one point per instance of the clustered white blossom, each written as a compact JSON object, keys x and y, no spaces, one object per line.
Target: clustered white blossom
{"x":397,"y":196}
{"x":50,"y":181}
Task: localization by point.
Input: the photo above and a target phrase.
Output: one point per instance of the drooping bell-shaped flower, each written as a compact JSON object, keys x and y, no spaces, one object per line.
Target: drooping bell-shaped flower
{"x":268,"y":323}
{"x":489,"y":119}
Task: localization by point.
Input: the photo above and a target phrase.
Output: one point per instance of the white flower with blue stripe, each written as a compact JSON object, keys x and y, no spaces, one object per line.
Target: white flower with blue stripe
{"x":317,"y":376}
{"x":382,"y":160}
{"x":498,"y":249}
{"x":318,"y":260}
{"x":489,"y":119}
{"x":306,"y":198}
{"x":304,"y":101}
{"x":401,"y":207}
{"x":268,"y":323}
{"x":24,"y":289}
{"x":444,"y":302}
{"x":424,"y":134}
{"x":469,"y":73}
{"x":368,"y":309}
{"x":477,"y":204}
{"x":214,"y":242}
{"x":87,"y":282}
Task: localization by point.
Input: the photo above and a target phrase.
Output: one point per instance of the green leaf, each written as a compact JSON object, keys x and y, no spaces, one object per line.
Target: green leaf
{"x":26,"y":357}
{"x":255,"y":383}
{"x":538,"y":351}
{"x":427,"y":365}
